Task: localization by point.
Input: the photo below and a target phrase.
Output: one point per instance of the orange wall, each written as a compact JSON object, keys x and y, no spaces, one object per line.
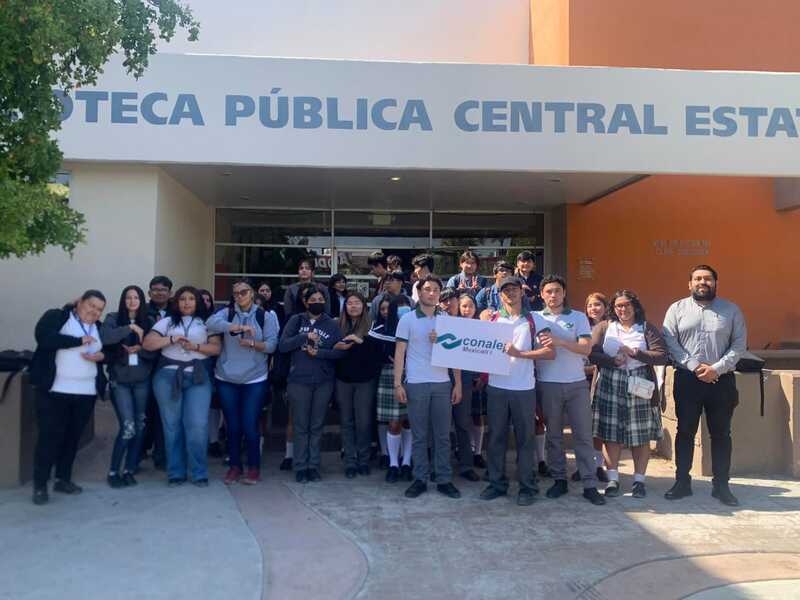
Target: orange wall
{"x":549,"y":32}
{"x":753,"y":247}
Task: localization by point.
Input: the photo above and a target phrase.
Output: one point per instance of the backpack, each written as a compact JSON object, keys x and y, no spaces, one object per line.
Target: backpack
{"x":14,"y":362}
{"x":531,"y":324}
{"x":750,"y":363}
{"x":260,"y":316}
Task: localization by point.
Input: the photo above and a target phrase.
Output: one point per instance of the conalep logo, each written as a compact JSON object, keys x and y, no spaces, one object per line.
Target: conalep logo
{"x":448,"y":341}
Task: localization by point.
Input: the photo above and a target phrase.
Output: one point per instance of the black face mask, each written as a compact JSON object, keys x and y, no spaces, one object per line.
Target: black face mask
{"x":316,"y":308}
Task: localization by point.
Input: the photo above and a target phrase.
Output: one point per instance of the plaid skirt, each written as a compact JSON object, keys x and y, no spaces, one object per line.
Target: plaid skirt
{"x":389,"y":409}
{"x":620,"y":417}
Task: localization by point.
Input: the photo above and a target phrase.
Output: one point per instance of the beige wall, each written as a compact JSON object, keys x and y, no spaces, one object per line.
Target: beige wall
{"x":184,"y":235}
{"x":119,"y":203}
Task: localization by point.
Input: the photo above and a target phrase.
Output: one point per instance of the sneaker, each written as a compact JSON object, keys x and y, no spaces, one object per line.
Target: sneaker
{"x":253,"y":477}
{"x":200,"y":482}
{"x":313,"y":475}
{"x":392,"y":475}
{"x":544,"y":470}
{"x":490,"y":493}
{"x":602,"y":476}
{"x":286,"y":465}
{"x":383,"y":463}
{"x":526,"y":497}
{"x":115,"y":481}
{"x":416,"y":488}
{"x":364,"y":470}
{"x":128,"y":479}
{"x":406,"y":474}
{"x":40,"y":496}
{"x":478,"y":461}
{"x":301,"y":476}
{"x":558,"y":489}
{"x":66,"y":487}
{"x":233,"y":475}
{"x":449,"y":490}
{"x":470,"y":475}
{"x":593,"y":496}
{"x":176,"y":481}
{"x":638,"y":490}
{"x":612,"y":489}
{"x":350,"y":472}
{"x":215,"y":450}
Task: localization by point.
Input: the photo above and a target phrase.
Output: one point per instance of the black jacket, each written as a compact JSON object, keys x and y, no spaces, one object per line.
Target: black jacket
{"x":48,"y":342}
{"x":361,"y":362}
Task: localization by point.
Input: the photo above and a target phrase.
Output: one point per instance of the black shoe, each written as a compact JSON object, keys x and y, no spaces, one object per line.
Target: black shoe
{"x":723,"y":494}
{"x":478,"y":461}
{"x":602,"y":476}
{"x":392,"y":475}
{"x":576,"y":476}
{"x":200,"y":482}
{"x":681,"y":489}
{"x":593,"y":496}
{"x":470,"y":475}
{"x":490,"y":493}
{"x":364,"y":470}
{"x":544,"y":470}
{"x":416,"y":488}
{"x":350,"y":472}
{"x":638,"y":490}
{"x":612,"y":489}
{"x":406,"y":474}
{"x":526,"y":497}
{"x":128,"y":479}
{"x":286,"y":464}
{"x":383,"y":463}
{"x":40,"y":496}
{"x":115,"y":481}
{"x":301,"y":476}
{"x":66,"y":487}
{"x":449,"y":490}
{"x":558,"y":489}
{"x":176,"y":481}
{"x":313,"y":475}
{"x":215,"y":450}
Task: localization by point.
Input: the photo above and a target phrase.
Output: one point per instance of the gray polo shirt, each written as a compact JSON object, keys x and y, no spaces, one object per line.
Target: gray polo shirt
{"x":714,"y":334}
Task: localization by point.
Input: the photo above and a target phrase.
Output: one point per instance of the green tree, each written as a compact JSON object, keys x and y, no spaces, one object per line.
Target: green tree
{"x":60,"y":44}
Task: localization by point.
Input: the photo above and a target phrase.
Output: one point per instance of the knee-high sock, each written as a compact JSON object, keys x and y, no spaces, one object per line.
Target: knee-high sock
{"x":540,"y":455}
{"x":406,"y":446}
{"x":393,"y":447}
{"x":383,"y":430}
{"x":477,"y":438}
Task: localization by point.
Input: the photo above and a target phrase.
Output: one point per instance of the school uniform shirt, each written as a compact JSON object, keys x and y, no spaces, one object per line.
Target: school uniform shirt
{"x":192,"y":328}
{"x":616,"y":337}
{"x":75,"y":374}
{"x":521,"y":375}
{"x":567,"y":367}
{"x":414,"y":328}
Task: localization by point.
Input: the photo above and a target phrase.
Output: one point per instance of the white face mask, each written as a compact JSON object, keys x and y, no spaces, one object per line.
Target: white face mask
{"x":401,"y":310}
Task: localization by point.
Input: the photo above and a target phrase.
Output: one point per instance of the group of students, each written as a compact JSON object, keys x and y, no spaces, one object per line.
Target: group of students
{"x":594,"y":370}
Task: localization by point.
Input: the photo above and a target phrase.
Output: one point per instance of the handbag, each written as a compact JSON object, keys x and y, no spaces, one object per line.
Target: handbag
{"x":640,"y":387}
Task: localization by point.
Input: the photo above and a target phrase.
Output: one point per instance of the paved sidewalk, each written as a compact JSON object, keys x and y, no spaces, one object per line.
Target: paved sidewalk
{"x":362,"y":539}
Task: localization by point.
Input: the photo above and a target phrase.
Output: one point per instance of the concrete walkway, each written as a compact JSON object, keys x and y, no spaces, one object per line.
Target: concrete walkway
{"x":362,"y":539}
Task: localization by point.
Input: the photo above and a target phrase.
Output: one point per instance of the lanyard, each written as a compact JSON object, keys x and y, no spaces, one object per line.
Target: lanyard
{"x":186,"y":328}
{"x":83,"y":328}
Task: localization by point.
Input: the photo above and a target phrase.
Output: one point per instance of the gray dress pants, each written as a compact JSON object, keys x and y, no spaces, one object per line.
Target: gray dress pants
{"x":429,"y":408}
{"x":517,"y":407}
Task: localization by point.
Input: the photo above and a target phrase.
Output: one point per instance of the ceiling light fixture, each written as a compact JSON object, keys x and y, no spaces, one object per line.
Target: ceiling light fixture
{"x":394,"y":178}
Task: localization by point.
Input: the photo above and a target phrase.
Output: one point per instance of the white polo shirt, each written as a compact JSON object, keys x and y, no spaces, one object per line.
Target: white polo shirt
{"x":75,"y":374}
{"x":567,"y":366}
{"x":192,"y":328}
{"x":414,"y":328}
{"x":521,"y":376}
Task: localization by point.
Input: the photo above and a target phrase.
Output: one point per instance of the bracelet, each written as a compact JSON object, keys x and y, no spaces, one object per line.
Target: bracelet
{"x":170,"y":340}
{"x":398,"y":385}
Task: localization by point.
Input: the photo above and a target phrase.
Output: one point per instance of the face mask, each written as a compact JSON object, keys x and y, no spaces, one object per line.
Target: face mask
{"x":316,"y":308}
{"x":401,"y":310}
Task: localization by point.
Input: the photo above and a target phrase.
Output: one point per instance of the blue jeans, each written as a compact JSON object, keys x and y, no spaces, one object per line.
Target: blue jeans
{"x":185,"y":420}
{"x":242,"y":404}
{"x":130,"y":404}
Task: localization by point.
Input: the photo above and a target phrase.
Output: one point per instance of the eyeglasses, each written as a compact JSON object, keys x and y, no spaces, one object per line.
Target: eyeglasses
{"x":242,"y":293}
{"x":622,"y":306}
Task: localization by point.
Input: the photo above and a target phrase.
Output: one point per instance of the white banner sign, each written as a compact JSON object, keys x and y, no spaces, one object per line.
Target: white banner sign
{"x":472,"y":345}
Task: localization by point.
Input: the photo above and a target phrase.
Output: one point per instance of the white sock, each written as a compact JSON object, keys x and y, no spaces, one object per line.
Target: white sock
{"x":213,"y":425}
{"x":383,"y":430}
{"x":289,"y":449}
{"x":540,"y":447}
{"x":477,"y":439}
{"x":407,"y":438}
{"x":613,"y":475}
{"x":599,"y":459}
{"x":638,"y":477}
{"x":393,"y":446}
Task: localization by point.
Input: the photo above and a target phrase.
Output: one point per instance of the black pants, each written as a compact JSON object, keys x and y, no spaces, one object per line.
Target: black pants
{"x":154,"y":431}
{"x":61,"y":420}
{"x":718,"y":400}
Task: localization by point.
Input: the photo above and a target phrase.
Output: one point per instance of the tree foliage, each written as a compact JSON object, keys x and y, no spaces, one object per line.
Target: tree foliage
{"x":60,"y":44}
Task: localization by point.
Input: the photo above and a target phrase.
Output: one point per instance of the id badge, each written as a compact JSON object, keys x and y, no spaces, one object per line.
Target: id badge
{"x":133,"y":360}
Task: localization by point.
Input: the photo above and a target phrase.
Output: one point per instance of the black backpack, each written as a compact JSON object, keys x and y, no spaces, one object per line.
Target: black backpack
{"x":14,"y":362}
{"x":750,"y":363}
